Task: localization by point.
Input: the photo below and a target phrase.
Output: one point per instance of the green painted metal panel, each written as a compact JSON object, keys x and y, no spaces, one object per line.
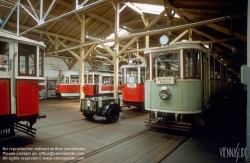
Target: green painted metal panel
{"x":192,"y":96}
{"x":186,"y":97}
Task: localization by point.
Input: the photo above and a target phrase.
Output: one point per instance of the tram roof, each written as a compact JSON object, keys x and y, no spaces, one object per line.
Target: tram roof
{"x":13,"y":36}
{"x":179,"y":45}
{"x":133,"y":65}
{"x":69,"y":72}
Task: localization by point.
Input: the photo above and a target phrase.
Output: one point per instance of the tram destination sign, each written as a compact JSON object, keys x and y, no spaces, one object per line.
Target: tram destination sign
{"x":165,"y":80}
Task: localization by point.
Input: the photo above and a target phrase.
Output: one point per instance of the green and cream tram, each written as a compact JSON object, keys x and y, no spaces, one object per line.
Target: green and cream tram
{"x":182,"y":79}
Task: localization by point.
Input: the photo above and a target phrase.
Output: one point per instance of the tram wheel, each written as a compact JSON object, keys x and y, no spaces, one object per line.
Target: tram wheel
{"x":112,"y":114}
{"x":87,"y":115}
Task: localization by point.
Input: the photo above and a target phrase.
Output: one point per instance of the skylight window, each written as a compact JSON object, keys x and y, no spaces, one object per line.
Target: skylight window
{"x":147,"y":8}
{"x":151,"y":9}
{"x":121,"y":32}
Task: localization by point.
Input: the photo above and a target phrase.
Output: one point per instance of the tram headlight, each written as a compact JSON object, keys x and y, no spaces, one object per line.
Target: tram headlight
{"x":165,"y":93}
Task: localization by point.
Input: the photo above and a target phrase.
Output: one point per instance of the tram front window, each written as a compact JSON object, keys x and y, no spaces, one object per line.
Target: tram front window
{"x":4,"y":56}
{"x":132,"y":75}
{"x":26,"y":60}
{"x":192,"y":69}
{"x":166,"y":65}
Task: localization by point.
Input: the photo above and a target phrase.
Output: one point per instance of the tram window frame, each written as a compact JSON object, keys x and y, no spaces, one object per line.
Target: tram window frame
{"x":74,"y":79}
{"x":106,"y":80}
{"x":217,"y":72}
{"x":188,"y":63}
{"x":211,"y":68}
{"x":23,"y":49}
{"x":41,"y":62}
{"x":224,"y":72}
{"x":142,"y":76}
{"x":168,"y":73}
{"x":129,"y":76}
{"x":148,"y":67}
{"x":96,"y":79}
{"x":66,"y":79}
{"x":90,"y":79}
{"x":4,"y":52}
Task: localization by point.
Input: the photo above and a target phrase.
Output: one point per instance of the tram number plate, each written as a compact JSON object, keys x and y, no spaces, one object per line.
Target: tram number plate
{"x":164,"y":104}
{"x":165,"y":80}
{"x":88,"y":103}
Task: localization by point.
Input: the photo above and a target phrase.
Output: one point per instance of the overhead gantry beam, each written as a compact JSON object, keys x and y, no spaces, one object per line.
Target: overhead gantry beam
{"x":148,"y":32}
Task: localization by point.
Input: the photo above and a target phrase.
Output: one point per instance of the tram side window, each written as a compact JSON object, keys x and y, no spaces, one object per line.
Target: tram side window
{"x":217,"y":70}
{"x":224,"y":73}
{"x":51,"y":84}
{"x":26,"y":60}
{"x":74,"y":79}
{"x":106,"y":80}
{"x":192,"y":66}
{"x":148,"y":67}
{"x":66,"y":80}
{"x":4,"y":56}
{"x":142,"y":75}
{"x":96,"y":78}
{"x":119,"y":80}
{"x":41,"y":62}
{"x":90,"y":79}
{"x":166,"y":65}
{"x":85,"y":79}
{"x":211,"y":68}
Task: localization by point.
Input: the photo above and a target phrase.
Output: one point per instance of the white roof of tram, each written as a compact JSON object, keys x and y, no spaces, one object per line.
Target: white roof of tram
{"x":12,"y":36}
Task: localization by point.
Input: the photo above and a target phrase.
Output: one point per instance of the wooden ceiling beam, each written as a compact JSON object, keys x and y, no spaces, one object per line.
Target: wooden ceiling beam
{"x":89,"y":51}
{"x":101,"y":19}
{"x":151,"y":32}
{"x":44,"y":32}
{"x":222,"y":43}
{"x":227,"y":31}
{"x":66,"y":4}
{"x":199,"y":2}
{"x":70,"y":51}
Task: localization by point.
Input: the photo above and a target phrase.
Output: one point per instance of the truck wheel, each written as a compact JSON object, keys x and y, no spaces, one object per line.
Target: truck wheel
{"x":87,"y":115}
{"x":112,"y":114}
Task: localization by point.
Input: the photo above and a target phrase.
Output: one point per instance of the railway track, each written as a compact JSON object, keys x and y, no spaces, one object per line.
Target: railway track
{"x":128,"y":139}
{"x":103,"y":154}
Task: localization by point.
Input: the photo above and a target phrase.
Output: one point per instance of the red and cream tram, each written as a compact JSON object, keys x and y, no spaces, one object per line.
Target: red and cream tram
{"x":133,"y":77}
{"x":22,"y":67}
{"x":68,"y":84}
{"x":96,"y":83}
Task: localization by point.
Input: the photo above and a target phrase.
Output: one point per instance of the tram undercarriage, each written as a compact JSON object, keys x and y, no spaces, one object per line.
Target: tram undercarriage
{"x":173,"y":121}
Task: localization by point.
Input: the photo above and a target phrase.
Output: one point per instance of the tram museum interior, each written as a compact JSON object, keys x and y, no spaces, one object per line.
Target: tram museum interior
{"x":84,"y":35}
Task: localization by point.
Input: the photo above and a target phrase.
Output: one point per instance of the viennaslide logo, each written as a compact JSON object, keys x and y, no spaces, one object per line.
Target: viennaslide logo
{"x":233,"y":152}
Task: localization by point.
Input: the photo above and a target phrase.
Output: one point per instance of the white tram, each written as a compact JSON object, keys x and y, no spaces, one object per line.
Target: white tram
{"x":182,"y":79}
{"x":22,"y":68}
